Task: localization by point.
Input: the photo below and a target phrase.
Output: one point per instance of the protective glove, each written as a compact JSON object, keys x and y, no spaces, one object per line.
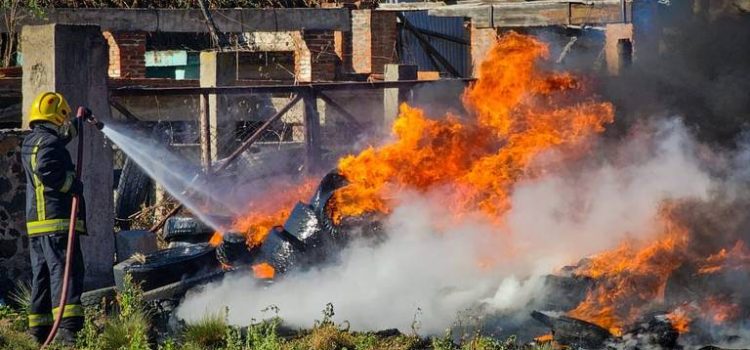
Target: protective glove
{"x":77,"y":187}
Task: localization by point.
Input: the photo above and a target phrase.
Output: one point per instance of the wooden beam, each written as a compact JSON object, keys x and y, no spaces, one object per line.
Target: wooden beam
{"x":341,"y":111}
{"x":537,"y":13}
{"x":312,"y":131}
{"x":124,"y":111}
{"x":205,"y":128}
{"x":192,"y":21}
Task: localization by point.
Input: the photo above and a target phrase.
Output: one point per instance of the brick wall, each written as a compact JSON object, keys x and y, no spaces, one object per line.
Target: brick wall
{"x":481,"y":42}
{"x":316,"y":58}
{"x":384,"y":32}
{"x":14,"y":246}
{"x":126,"y":54}
{"x":372,"y":42}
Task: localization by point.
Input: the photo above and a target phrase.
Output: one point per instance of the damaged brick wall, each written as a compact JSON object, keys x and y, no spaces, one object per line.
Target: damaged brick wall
{"x":127,"y":52}
{"x":14,"y":246}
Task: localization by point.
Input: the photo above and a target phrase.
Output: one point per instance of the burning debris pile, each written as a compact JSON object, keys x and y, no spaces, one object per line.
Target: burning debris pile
{"x":676,"y":270}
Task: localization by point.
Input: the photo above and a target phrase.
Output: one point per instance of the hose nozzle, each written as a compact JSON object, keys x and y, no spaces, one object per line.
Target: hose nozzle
{"x":88,"y":116}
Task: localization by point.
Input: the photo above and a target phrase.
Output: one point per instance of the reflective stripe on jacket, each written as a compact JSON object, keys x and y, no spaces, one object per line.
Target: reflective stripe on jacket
{"x":50,"y":183}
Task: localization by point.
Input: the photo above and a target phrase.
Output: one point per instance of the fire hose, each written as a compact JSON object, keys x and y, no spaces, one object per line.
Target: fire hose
{"x":83,"y":114}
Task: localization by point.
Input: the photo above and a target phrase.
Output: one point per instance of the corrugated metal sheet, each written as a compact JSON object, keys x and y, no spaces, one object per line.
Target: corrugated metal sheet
{"x":413,"y":53}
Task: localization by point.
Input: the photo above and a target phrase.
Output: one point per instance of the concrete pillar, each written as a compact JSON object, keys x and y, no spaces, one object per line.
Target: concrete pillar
{"x":219,"y":69}
{"x":73,"y":60}
{"x":618,"y":47}
{"x":392,"y":98}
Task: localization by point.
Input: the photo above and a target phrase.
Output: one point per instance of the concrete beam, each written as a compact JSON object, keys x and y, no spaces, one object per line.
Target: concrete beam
{"x":392,"y":98}
{"x":191,"y":21}
{"x":536,"y":13}
{"x":50,"y":54}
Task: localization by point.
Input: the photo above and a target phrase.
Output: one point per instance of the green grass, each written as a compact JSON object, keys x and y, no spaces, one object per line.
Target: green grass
{"x":210,"y":332}
{"x":128,"y":326}
{"x":14,"y":340}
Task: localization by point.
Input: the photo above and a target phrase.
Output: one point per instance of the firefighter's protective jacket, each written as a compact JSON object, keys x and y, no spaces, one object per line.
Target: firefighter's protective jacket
{"x":50,"y":182}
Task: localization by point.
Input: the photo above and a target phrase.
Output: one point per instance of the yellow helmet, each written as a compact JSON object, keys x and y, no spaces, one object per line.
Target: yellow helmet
{"x":50,"y":107}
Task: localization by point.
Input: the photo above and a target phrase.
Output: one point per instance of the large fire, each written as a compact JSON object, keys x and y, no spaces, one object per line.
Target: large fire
{"x":516,"y":112}
{"x":631,"y":278}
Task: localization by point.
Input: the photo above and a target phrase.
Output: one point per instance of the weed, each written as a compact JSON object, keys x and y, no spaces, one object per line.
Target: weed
{"x":131,"y":298}
{"x":480,"y":342}
{"x":129,"y":329}
{"x":445,"y":342}
{"x":233,"y":339}
{"x":329,"y":337}
{"x":13,"y":319}
{"x":263,"y":335}
{"x":365,"y":341}
{"x":209,"y":332}
{"x":88,"y":337}
{"x":21,"y":296}
{"x":168,"y":344}
{"x":14,"y":340}
{"x":130,"y":333}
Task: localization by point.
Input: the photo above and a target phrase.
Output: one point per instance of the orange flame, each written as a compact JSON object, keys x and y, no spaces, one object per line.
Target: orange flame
{"x":263,"y":271}
{"x":719,"y":311}
{"x":680,"y":319}
{"x":518,"y":112}
{"x":266,"y":214}
{"x":216,"y":239}
{"x":629,"y":278}
{"x":738,"y":257}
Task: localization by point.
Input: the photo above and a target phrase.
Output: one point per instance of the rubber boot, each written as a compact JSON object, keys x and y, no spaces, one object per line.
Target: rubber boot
{"x":40,"y":333}
{"x":65,"y":337}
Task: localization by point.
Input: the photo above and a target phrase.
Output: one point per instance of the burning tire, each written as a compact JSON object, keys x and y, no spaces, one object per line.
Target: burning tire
{"x":281,"y":250}
{"x":166,"y":266}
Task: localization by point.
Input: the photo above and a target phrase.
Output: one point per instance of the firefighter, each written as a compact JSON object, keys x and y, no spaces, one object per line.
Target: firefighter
{"x":50,"y":185}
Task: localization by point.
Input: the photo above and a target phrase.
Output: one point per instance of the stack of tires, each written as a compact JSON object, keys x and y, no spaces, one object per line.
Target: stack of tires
{"x":309,"y":236}
{"x":169,"y":273}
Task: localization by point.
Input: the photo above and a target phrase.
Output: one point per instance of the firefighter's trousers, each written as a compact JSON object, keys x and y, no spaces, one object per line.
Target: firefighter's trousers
{"x":47,"y":266}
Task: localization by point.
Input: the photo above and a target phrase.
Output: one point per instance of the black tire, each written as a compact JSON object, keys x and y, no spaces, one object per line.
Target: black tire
{"x":132,"y":191}
{"x":177,"y":289}
{"x":187,"y":229}
{"x":95,"y":297}
{"x":167,"y":266}
{"x":279,"y":251}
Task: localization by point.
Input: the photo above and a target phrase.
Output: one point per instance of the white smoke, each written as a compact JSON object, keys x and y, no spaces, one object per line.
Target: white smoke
{"x":444,"y":268}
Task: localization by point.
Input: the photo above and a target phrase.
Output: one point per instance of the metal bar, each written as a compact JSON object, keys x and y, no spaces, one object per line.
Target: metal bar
{"x":270,"y":89}
{"x":256,"y":135}
{"x":624,"y":11}
{"x":312,"y":131}
{"x":232,"y":157}
{"x":350,"y":117}
{"x":205,"y":127}
{"x":124,"y":111}
{"x":428,"y":47}
{"x":442,"y":36}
